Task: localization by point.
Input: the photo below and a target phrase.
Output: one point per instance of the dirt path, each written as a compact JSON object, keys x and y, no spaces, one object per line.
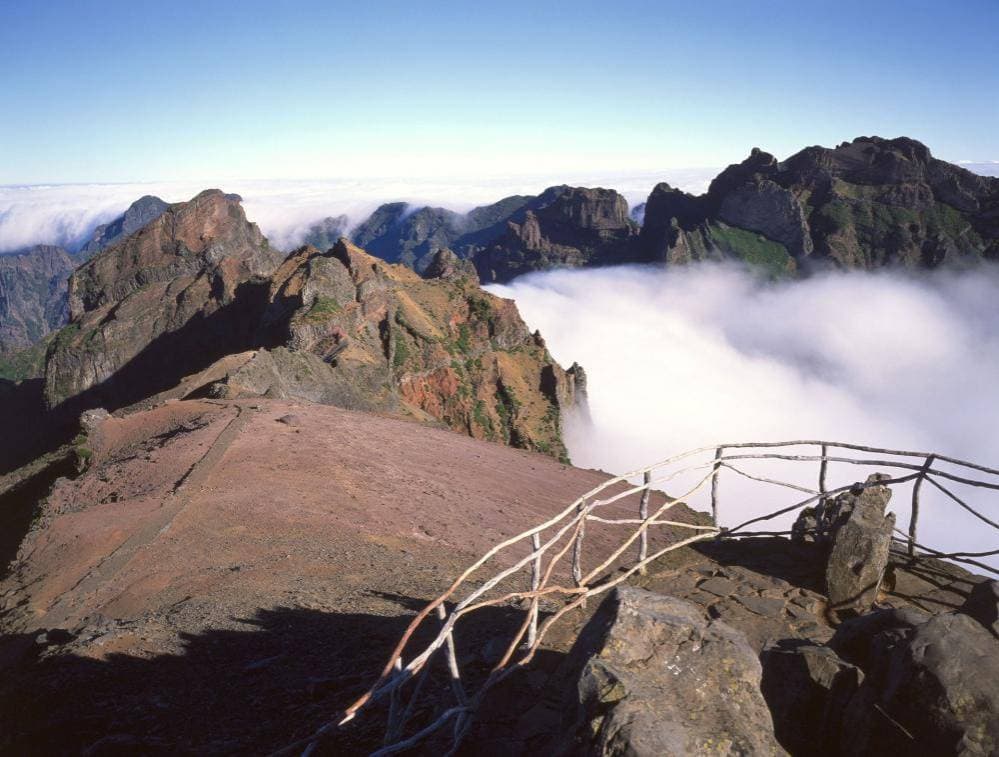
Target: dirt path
{"x":67,"y":606}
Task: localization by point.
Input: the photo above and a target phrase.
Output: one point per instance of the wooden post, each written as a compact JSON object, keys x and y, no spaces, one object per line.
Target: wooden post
{"x":823,"y":468}
{"x":914,"y":515}
{"x":452,"y":660}
{"x":532,"y":629}
{"x":643,"y":513}
{"x":577,"y":547}
{"x":714,"y":485}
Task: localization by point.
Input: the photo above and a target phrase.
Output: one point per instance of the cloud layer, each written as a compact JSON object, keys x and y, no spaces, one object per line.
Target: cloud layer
{"x":66,"y":214}
{"x":683,"y":357}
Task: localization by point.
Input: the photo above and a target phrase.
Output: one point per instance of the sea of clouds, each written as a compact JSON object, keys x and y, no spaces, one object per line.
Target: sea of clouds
{"x":67,"y":214}
{"x":683,"y":357}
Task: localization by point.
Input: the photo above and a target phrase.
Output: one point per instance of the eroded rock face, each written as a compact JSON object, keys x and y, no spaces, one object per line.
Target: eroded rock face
{"x":864,"y":204}
{"x":33,"y":296}
{"x":200,"y":285}
{"x":363,"y":334}
{"x":169,"y":299}
{"x":446,"y":265}
{"x":658,"y":678}
{"x":562,"y":227}
{"x":565,"y":227}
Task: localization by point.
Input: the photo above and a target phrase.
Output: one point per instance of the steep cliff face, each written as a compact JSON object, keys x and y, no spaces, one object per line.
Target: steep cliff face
{"x":144,"y":210}
{"x":177,"y":294}
{"x":33,"y":302}
{"x":198,"y":293}
{"x":563,"y":226}
{"x":865,"y":204}
{"x":357,"y":332}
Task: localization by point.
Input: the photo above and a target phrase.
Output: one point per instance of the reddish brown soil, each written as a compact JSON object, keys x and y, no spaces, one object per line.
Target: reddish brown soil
{"x":198,"y":518}
{"x":223,"y":581}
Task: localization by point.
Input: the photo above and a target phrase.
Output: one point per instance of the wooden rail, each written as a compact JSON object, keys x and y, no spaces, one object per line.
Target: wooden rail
{"x":566,"y":532}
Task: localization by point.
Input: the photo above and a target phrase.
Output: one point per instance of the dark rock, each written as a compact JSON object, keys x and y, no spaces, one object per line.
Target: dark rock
{"x":563,"y":226}
{"x":770,"y":607}
{"x":855,"y":534}
{"x":399,"y":233}
{"x":854,"y":639}
{"x":859,"y":548}
{"x":807,"y":688}
{"x":983,"y":605}
{"x":928,"y":691}
{"x":446,"y":265}
{"x":657,"y":678}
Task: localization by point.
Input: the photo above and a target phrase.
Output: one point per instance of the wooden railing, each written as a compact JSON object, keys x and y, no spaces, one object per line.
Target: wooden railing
{"x":563,"y":589}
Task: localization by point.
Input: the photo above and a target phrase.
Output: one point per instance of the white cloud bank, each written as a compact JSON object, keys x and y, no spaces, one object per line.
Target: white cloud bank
{"x":66,"y":214}
{"x":686,"y":357}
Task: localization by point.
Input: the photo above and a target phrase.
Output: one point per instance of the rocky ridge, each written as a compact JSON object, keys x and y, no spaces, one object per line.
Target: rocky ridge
{"x":199,"y":293}
{"x":159,"y":303}
{"x":865,"y":204}
{"x":563,"y":226}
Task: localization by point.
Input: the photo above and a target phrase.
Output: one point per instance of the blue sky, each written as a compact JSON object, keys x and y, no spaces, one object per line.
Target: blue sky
{"x":137,"y":91}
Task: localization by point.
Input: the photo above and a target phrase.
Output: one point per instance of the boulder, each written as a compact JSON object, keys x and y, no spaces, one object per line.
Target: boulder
{"x":928,"y":690}
{"x":856,"y":534}
{"x":446,"y":265}
{"x":983,"y":605}
{"x":807,"y":687}
{"x":658,"y":678}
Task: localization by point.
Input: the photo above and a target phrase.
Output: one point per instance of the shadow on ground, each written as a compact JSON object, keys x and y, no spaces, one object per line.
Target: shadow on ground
{"x":247,"y":691}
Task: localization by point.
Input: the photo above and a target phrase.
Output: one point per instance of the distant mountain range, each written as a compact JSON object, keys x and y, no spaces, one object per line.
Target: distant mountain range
{"x":865,"y":204}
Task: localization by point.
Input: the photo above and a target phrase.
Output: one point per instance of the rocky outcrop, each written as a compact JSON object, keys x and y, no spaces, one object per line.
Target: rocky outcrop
{"x":141,"y":212}
{"x":446,"y":265}
{"x":33,"y":302}
{"x":171,"y":308}
{"x":360,"y":333}
{"x":658,"y":678}
{"x":864,"y":204}
{"x":563,"y":226}
{"x":177,"y":294}
{"x":856,"y":535}
{"x":34,"y":290}
{"x":929,"y":687}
